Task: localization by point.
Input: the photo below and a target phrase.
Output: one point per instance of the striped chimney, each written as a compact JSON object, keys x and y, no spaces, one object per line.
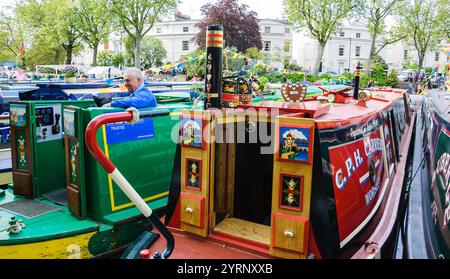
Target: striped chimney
{"x":213,"y":73}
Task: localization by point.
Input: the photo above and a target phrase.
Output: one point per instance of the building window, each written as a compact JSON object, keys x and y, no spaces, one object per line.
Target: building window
{"x":287,"y":46}
{"x":267,"y":30}
{"x":436,"y":56}
{"x":358,"y":35}
{"x":357,"y":51}
{"x":185,"y":29}
{"x":266,"y":45}
{"x":341,"y":33}
{"x":185,"y":45}
{"x":405,"y":54}
{"x":158,"y":30}
{"x":341,"y":50}
{"x":287,"y":30}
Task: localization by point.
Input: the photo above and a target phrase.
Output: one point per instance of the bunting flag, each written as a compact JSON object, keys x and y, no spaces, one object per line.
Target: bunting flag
{"x":21,"y":49}
{"x":179,"y":64}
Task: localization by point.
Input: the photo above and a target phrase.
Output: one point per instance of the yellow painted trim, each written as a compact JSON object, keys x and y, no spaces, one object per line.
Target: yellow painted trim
{"x":215,"y":32}
{"x":215,"y":45}
{"x":110,"y":184}
{"x":111,"y":192}
{"x":146,"y":199}
{"x":175,"y":113}
{"x":75,"y":247}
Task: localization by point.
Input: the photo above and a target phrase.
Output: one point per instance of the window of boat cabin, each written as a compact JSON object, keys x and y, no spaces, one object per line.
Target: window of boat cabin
{"x":185,"y":45}
{"x":185,"y":29}
{"x":358,"y":35}
{"x":357,"y":51}
{"x":436,"y":56}
{"x":341,"y":33}
{"x":267,"y":45}
{"x":267,"y":29}
{"x":341,"y":50}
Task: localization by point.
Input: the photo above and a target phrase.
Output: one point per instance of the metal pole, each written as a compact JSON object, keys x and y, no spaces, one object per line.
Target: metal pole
{"x":214,"y":67}
{"x":357,"y":77}
{"x":349,"y":53}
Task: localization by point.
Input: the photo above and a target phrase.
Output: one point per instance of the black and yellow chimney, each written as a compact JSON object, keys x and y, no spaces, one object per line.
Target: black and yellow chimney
{"x":213,"y":73}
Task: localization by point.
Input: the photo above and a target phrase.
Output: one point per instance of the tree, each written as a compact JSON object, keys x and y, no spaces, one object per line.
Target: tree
{"x":377,"y":60}
{"x":117,"y":59}
{"x":137,"y":17}
{"x":376,"y":11}
{"x":241,"y":29}
{"x":196,"y":67}
{"x":321,"y":18}
{"x":53,"y":22}
{"x":281,"y":56}
{"x":105,"y":58}
{"x":260,"y":56}
{"x":94,"y":22}
{"x":153,"y":51}
{"x":392,"y":78}
{"x":422,"y":21}
{"x":109,"y":58}
{"x":11,"y":38}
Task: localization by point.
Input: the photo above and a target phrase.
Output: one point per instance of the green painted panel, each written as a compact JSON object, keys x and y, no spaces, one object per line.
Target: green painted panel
{"x":147,"y":164}
{"x":57,"y":224}
{"x":439,"y":195}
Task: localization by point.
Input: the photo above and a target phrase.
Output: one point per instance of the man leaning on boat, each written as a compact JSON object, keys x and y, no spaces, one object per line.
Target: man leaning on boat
{"x":140,"y":95}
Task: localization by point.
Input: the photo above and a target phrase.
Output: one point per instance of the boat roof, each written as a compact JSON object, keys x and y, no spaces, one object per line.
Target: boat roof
{"x":335,"y":114}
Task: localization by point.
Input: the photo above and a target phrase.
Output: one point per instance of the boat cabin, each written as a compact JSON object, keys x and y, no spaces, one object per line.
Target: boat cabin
{"x":291,"y":179}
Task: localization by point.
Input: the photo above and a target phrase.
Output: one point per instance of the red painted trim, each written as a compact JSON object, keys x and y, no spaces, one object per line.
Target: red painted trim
{"x":276,"y":216}
{"x":233,"y":97}
{"x":214,"y":42}
{"x":199,"y":188}
{"x":240,"y":242}
{"x":175,"y":220}
{"x":310,"y":142}
{"x":300,"y":202}
{"x":382,"y":231}
{"x":91,"y":136}
{"x":346,"y":122}
{"x":215,"y":35}
{"x":201,"y":200}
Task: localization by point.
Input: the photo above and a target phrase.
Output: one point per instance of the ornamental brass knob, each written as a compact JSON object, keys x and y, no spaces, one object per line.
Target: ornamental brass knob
{"x":288,"y":233}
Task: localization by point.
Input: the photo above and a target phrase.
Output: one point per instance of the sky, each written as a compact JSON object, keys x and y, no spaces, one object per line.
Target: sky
{"x":264,"y":8}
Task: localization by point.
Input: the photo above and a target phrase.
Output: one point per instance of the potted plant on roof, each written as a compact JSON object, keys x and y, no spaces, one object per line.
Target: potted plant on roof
{"x":69,"y":74}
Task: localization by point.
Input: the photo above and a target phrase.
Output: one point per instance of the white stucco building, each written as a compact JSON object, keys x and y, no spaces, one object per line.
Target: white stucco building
{"x":177,"y":37}
{"x":398,"y":53}
{"x":114,"y":44}
{"x":343,"y":51}
{"x":352,"y":44}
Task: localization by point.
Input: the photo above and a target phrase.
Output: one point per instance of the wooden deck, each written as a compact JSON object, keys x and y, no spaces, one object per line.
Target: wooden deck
{"x":245,"y":230}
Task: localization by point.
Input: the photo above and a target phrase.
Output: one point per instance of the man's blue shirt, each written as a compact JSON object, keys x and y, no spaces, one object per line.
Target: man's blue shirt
{"x":141,"y":98}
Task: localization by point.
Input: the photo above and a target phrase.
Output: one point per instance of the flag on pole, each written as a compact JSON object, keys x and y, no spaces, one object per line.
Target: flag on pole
{"x":21,"y":49}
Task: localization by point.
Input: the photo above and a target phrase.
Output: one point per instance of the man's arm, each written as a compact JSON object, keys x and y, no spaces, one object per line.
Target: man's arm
{"x":140,"y":99}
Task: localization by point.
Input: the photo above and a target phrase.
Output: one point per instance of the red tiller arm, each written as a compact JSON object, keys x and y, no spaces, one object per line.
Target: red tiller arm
{"x":91,"y":136}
